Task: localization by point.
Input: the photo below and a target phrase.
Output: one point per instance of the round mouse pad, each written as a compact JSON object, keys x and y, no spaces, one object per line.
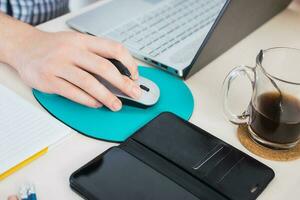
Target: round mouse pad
{"x":104,"y":124}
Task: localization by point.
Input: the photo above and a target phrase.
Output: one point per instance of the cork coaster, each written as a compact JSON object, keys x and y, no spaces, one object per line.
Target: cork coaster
{"x":264,"y":152}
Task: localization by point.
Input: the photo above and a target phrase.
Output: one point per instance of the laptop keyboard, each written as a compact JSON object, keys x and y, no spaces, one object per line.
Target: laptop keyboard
{"x":168,"y":25}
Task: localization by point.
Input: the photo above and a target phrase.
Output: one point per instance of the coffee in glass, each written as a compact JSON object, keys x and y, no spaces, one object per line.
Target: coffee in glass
{"x":273,"y":115}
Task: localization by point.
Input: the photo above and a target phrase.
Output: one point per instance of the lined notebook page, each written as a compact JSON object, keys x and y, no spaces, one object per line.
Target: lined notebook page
{"x":24,"y":129}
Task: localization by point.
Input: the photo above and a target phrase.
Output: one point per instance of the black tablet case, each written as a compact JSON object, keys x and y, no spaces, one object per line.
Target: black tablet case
{"x":170,"y":158}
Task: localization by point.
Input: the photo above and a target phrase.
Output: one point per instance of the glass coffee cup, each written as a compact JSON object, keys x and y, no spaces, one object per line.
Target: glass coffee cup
{"x":273,"y":114}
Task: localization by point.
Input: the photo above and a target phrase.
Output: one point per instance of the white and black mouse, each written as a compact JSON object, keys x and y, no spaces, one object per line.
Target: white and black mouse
{"x":150,"y":91}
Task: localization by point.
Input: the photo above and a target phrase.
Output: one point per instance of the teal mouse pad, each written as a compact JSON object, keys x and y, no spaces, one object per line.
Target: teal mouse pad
{"x":104,"y":124}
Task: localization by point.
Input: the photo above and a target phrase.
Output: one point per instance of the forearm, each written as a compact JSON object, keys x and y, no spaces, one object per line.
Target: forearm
{"x":14,"y":37}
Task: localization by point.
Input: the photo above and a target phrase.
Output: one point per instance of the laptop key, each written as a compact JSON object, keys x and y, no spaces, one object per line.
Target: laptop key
{"x":171,"y":23}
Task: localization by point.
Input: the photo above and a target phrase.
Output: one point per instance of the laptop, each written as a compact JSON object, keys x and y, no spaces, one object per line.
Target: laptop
{"x":179,"y":36}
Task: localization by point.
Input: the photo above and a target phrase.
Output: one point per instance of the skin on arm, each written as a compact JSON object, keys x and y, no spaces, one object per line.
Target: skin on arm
{"x":62,"y":63}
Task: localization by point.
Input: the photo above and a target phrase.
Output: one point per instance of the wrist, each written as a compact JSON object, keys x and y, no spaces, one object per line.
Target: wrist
{"x":15,"y":37}
{"x":20,"y":46}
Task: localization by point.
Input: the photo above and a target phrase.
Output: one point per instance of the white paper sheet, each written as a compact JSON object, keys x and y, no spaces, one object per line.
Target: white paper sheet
{"x":24,"y":130}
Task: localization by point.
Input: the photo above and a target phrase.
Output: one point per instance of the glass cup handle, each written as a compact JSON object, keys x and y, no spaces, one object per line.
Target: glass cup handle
{"x":236,"y":72}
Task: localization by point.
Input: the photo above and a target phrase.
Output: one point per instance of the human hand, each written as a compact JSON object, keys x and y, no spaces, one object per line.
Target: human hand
{"x":62,"y":63}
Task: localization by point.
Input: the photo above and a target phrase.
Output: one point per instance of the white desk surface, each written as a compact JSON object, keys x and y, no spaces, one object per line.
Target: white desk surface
{"x":50,"y":173}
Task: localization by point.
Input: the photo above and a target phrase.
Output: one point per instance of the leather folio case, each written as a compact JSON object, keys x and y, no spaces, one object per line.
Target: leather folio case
{"x":170,"y":158}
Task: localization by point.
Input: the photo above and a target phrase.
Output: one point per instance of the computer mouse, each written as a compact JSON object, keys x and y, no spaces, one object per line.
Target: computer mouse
{"x":150,"y":93}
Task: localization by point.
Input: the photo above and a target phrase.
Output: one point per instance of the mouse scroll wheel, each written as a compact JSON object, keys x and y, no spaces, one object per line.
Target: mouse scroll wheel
{"x":144,"y":88}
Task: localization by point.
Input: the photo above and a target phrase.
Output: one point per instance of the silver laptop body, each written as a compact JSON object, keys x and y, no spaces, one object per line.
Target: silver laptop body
{"x":165,"y":33}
